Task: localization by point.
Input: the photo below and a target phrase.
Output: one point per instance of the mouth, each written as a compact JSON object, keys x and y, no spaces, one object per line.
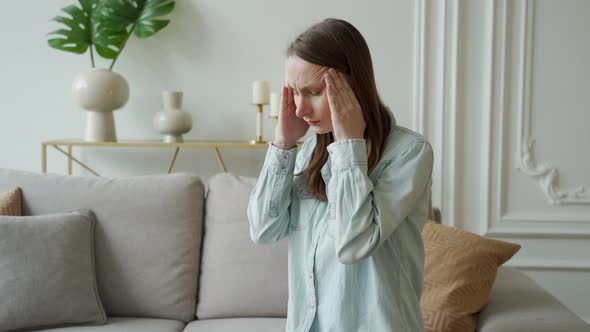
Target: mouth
{"x":312,"y":123}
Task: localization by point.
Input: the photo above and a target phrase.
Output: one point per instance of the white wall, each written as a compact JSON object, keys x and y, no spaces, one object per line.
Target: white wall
{"x":492,"y":76}
{"x":212,"y":50}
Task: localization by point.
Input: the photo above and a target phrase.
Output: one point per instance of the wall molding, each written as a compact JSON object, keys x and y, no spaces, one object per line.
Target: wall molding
{"x":502,"y":33}
{"x":420,"y":28}
{"x":547,"y":177}
{"x":493,"y":102}
{"x":499,"y":223}
{"x":435,"y":94}
{"x":436,"y":114}
{"x":545,"y":218}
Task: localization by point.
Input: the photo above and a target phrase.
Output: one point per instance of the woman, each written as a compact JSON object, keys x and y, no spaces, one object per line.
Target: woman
{"x":352,"y":201}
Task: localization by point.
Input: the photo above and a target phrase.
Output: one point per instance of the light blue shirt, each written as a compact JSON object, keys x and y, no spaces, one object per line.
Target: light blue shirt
{"x":356,"y":262}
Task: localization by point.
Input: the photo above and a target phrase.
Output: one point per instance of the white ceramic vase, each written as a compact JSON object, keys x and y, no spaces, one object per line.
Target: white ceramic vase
{"x":172,"y":121}
{"x":100,"y":92}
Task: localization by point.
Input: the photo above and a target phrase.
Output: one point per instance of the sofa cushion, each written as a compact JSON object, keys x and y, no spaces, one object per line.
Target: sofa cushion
{"x":125,"y":324}
{"x":238,"y":324}
{"x":10,"y":203}
{"x":147,"y":240}
{"x":238,"y":278}
{"x":47,"y":275}
{"x":459,"y":271}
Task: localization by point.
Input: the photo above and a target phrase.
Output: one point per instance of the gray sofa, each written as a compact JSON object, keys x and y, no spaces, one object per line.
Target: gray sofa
{"x":174,"y":256}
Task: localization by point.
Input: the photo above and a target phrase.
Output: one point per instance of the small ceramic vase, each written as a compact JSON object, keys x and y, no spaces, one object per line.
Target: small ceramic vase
{"x":172,"y":121}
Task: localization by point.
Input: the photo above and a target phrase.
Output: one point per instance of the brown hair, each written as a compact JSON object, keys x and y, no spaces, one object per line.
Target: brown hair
{"x":338,"y":44}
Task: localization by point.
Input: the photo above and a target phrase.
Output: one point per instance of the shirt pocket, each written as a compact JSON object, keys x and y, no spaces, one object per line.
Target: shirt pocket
{"x":331,"y":227}
{"x":303,"y":205}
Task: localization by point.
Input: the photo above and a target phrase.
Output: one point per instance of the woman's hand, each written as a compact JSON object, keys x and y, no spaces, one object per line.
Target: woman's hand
{"x":290,"y":128}
{"x":347,"y":116}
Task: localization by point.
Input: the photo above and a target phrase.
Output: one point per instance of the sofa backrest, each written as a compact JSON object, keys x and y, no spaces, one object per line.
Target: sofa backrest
{"x":147,"y":239}
{"x":238,"y":277}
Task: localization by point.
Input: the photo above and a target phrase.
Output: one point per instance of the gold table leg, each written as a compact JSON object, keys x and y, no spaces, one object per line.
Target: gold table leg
{"x":220,"y":160}
{"x":69,"y":160}
{"x":43,"y":158}
{"x":173,"y":160}
{"x":76,"y":161}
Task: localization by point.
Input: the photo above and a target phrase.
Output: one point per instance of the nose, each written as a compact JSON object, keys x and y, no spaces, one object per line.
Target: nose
{"x":303,"y":107}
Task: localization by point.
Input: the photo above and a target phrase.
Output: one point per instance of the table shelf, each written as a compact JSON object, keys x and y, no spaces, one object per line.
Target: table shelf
{"x":65,"y":146}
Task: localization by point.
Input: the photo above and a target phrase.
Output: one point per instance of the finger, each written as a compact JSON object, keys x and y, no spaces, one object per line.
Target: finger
{"x":335,"y":78}
{"x":346,"y":88}
{"x":348,"y":96}
{"x":337,"y":85}
{"x":288,"y":95}
{"x":333,"y":99}
{"x":331,"y":92}
{"x":285,"y":98}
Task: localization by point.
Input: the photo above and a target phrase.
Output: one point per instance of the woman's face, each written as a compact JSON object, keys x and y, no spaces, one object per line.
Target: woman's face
{"x":309,"y":90}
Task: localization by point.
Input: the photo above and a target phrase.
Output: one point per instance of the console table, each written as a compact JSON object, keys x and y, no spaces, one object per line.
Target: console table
{"x":66,"y":147}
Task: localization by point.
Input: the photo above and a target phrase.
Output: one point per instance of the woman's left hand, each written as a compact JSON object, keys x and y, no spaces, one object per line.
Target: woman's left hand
{"x":347,"y":116}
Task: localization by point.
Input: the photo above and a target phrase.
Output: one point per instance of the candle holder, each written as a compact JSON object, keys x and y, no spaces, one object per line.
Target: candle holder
{"x":275,"y":106}
{"x":259,"y":139}
{"x":276,"y":117}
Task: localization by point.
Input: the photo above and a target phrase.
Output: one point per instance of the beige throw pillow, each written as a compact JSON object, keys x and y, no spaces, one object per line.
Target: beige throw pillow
{"x":460,"y":269}
{"x":10,"y":203}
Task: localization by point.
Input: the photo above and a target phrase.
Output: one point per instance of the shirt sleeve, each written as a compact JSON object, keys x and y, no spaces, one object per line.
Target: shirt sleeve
{"x":268,"y":208}
{"x":366,"y":214}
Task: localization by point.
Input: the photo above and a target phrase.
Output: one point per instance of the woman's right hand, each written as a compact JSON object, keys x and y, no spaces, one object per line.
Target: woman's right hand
{"x":290,"y":128}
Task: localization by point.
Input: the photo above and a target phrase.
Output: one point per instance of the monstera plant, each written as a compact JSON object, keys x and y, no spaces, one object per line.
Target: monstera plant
{"x":105,"y":26}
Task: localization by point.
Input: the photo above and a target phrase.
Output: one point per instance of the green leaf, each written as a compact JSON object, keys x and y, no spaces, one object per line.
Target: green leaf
{"x":142,"y":15}
{"x":108,"y":43}
{"x":148,"y":29}
{"x":139,"y":17}
{"x":72,"y":35}
{"x":157,"y":10}
{"x":65,"y":45}
{"x":88,"y":5}
{"x":77,"y":36}
{"x":84,"y":27}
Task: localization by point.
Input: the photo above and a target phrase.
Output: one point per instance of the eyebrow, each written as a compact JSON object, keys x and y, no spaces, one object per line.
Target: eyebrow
{"x":309,"y":87}
{"x":317,"y":82}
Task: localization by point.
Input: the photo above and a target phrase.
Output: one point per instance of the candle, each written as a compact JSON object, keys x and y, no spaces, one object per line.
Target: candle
{"x":260,"y":92}
{"x":275,"y":104}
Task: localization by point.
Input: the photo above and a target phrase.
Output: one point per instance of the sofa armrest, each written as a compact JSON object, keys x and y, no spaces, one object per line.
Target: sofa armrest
{"x":518,"y":304}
